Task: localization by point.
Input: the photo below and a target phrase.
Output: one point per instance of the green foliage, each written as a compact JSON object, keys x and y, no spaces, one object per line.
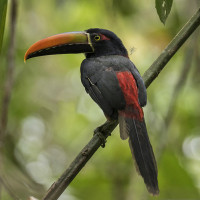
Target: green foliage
{"x":163,"y":8}
{"x":51,"y":117}
{"x":3,"y":8}
{"x":170,"y":166}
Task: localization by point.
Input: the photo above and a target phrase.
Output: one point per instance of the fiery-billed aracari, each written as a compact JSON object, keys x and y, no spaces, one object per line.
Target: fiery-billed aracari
{"x":114,"y":83}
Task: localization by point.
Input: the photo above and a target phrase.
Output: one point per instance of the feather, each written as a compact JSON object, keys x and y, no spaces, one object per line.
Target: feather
{"x":124,"y":132}
{"x":143,"y":154}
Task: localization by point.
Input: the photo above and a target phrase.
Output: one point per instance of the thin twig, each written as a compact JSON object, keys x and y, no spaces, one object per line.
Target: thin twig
{"x":8,"y":82}
{"x":187,"y":65}
{"x":8,"y":189}
{"x":10,"y":69}
{"x":171,"y":49}
{"x":3,"y":11}
{"x":105,"y":130}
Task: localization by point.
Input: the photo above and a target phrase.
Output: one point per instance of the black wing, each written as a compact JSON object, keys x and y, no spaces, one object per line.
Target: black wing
{"x":102,"y":85}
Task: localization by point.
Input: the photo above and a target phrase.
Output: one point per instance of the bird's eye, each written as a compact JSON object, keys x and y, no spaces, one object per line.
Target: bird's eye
{"x":97,"y":37}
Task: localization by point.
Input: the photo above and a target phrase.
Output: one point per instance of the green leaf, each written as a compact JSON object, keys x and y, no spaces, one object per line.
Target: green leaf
{"x":163,"y":8}
{"x":175,"y":181}
{"x":3,"y":9}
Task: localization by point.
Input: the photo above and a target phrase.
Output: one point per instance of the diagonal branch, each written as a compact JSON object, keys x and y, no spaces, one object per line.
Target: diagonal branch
{"x":171,"y":49}
{"x":181,"y":81}
{"x":106,"y":129}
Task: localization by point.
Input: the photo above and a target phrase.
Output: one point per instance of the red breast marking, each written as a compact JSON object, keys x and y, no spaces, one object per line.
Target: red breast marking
{"x":129,"y":88}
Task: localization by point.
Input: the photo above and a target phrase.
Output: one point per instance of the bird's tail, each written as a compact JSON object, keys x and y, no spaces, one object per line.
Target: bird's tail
{"x":141,"y":150}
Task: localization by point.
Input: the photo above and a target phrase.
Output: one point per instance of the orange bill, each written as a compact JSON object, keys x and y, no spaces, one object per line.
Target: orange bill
{"x":64,"y":43}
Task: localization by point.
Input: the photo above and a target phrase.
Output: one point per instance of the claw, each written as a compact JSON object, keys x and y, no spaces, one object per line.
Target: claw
{"x":105,"y":130}
{"x":101,"y":137}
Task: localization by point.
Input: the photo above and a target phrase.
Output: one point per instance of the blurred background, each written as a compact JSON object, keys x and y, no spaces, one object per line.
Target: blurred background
{"x":51,"y":118}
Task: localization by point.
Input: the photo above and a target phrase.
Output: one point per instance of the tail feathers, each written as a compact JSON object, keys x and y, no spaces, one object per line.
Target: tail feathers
{"x":124,"y":129}
{"x":142,"y":152}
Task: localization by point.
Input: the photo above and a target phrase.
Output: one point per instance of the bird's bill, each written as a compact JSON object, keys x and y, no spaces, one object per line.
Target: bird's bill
{"x":64,"y":43}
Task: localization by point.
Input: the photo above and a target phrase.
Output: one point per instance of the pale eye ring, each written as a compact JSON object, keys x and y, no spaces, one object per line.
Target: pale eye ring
{"x":97,"y":37}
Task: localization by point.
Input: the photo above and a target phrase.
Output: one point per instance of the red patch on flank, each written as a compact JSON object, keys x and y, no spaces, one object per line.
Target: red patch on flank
{"x":103,"y":37}
{"x":129,"y":88}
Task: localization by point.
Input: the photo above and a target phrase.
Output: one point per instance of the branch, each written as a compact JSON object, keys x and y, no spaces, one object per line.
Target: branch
{"x":58,"y":187}
{"x":186,"y":68}
{"x":3,"y":11}
{"x":171,"y":49}
{"x":8,"y":83}
{"x":10,"y":71}
{"x":106,"y":129}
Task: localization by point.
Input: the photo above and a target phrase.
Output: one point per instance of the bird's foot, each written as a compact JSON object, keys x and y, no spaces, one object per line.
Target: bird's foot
{"x":101,"y":137}
{"x":99,"y":131}
{"x":105,"y":130}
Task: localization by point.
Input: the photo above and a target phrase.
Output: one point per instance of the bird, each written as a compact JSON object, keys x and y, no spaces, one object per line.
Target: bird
{"x":114,"y":83}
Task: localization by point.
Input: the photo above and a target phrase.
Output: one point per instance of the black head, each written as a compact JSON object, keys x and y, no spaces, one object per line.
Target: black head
{"x":93,"y":42}
{"x":105,"y":43}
